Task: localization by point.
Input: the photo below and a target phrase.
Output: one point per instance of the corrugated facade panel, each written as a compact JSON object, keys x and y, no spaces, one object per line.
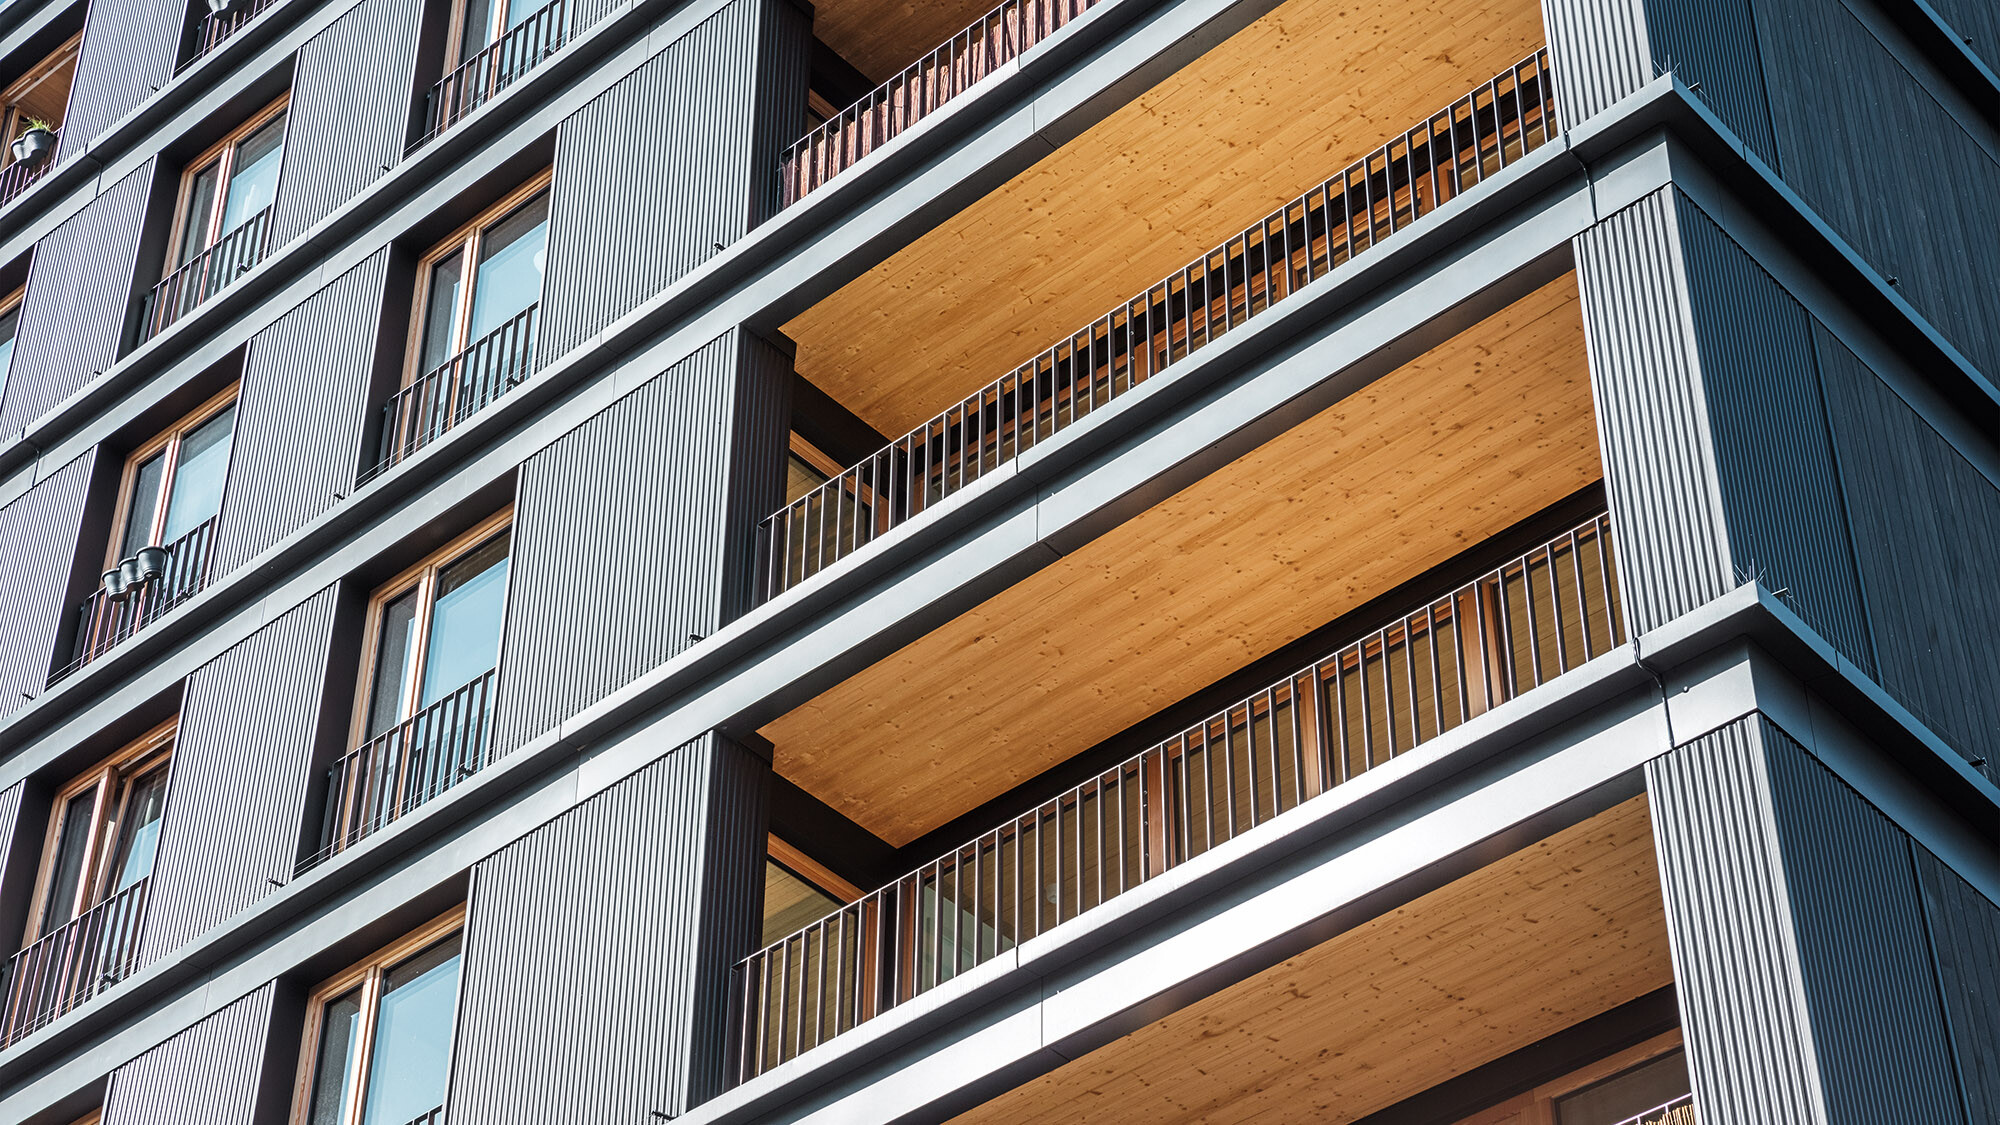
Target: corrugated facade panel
{"x":79,"y":288}
{"x":1600,"y":53}
{"x":598,"y":948}
{"x":301,"y":419}
{"x":626,"y":221}
{"x":1893,"y":171}
{"x":350,"y":111}
{"x":1651,"y":419}
{"x":38,"y":546}
{"x":245,"y":744}
{"x":1926,"y":534}
{"x":129,"y":50}
{"x":1977,"y":22}
{"x":1965,"y":931}
{"x":206,"y":1075}
{"x":1606,"y":49}
{"x":636,"y":530}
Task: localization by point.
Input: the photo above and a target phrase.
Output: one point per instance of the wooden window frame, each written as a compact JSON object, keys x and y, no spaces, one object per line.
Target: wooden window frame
{"x":11,"y":117}
{"x":816,"y":874}
{"x":464,"y":242}
{"x":221,"y":156}
{"x":1538,"y":1106}
{"x":422,"y":577}
{"x":456,"y":39}
{"x":170,"y":441}
{"x":367,"y":974}
{"x":10,"y":303}
{"x":134,"y":759}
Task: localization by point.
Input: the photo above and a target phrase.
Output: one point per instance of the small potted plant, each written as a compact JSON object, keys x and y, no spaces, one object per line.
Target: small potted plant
{"x":152,"y":563}
{"x":223,"y":9}
{"x":35,"y":144}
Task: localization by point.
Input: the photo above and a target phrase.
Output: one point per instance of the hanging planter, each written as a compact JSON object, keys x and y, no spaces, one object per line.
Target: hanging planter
{"x":37,"y":144}
{"x":223,"y":9}
{"x":133,"y":575}
{"x":152,"y":563}
{"x":114,"y":584}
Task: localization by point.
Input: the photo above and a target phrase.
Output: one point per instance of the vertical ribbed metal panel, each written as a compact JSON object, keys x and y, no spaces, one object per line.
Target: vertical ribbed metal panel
{"x":79,"y":288}
{"x":1977,"y":22}
{"x":1606,"y":49}
{"x":206,"y":1075}
{"x":1600,"y":53}
{"x":1800,"y":955}
{"x":350,"y":111}
{"x":245,"y":745}
{"x":1965,"y":932}
{"x":637,"y":529}
{"x":1893,"y":171}
{"x":10,"y":818}
{"x":1926,"y":534}
{"x":303,"y":414}
{"x":129,"y":50}
{"x":599,"y":948}
{"x":38,"y":548}
{"x":674,"y":160}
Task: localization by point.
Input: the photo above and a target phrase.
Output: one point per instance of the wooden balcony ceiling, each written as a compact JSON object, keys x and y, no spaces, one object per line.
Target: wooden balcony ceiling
{"x":1455,"y":446}
{"x":1510,"y":954}
{"x":1272,"y":111}
{"x":881,"y":37}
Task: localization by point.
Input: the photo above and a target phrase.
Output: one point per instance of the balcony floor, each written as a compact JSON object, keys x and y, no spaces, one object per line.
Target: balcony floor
{"x":1461,"y":443}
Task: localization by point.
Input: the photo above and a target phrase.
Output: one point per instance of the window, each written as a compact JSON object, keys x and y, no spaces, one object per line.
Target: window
{"x":103,"y":828}
{"x":378,"y":1036}
{"x":478,"y":24}
{"x":798,"y":891}
{"x":41,"y":95}
{"x":173,"y":484}
{"x":229,"y":185}
{"x":1645,"y":1085}
{"x":480,"y":280}
{"x":435,"y":629}
{"x":10,"y":323}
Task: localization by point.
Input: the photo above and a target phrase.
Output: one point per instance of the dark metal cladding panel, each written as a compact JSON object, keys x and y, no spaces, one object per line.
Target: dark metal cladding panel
{"x":634,"y":532}
{"x":301,"y":418}
{"x":10,"y":819}
{"x":350,"y":111}
{"x":1978,"y":23}
{"x":1671,"y":542}
{"x":38,"y":546}
{"x":206,"y":1075}
{"x":1774,"y":459}
{"x":1926,"y":534}
{"x":1965,"y":931}
{"x":129,"y":50}
{"x":672,"y":162}
{"x":1894,"y":172}
{"x":234,"y":815}
{"x":599,"y":948}
{"x":79,"y":287}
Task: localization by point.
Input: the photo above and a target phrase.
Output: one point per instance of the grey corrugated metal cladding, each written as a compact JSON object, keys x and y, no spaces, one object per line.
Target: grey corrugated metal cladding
{"x":38,"y":549}
{"x":129,"y":50}
{"x":209,"y":1074}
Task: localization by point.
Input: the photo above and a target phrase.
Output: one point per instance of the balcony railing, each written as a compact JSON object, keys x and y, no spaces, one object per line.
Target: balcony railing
{"x":406,"y":766}
{"x":1332,"y":224}
{"x":98,"y":948}
{"x":209,"y":273}
{"x":21,"y":175}
{"x":104,"y":621}
{"x":998,"y":38}
{"x":456,"y":390}
{"x":1680,"y":1111}
{"x":434,"y":1117}
{"x":1384,"y":694}
{"x":211,"y":31}
{"x":482,"y":77}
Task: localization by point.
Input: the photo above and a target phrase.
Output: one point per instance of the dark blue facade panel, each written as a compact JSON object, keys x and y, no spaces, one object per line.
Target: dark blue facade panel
{"x":130,"y":48}
{"x":1977,"y":23}
{"x":210,"y":1074}
{"x":1965,"y":928}
{"x":38,"y":551}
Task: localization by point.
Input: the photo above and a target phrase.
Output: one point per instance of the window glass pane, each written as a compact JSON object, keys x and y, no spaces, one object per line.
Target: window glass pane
{"x":465,"y":623}
{"x":518,"y":10}
{"x":140,"y":834}
{"x":145,"y":501}
{"x":255,"y":179}
{"x":509,"y":277}
{"x":198,"y":479}
{"x":392,"y":662}
{"x":441,"y":313}
{"x":406,"y":1072}
{"x":1647,"y":1086}
{"x":194,"y":220}
{"x":339,"y":1034}
{"x":478,"y":28}
{"x":67,"y":870}
{"x":800,"y":477}
{"x":9,"y":320}
{"x":791,"y":903}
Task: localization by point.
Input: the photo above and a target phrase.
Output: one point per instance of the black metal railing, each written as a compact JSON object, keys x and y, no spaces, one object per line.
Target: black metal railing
{"x":208,"y":273}
{"x":96,"y":949}
{"x":482,"y":77}
{"x":1680,"y":1111}
{"x":1426,"y":168}
{"x":1386,"y":693}
{"x":21,"y":175}
{"x":406,"y":766}
{"x":456,"y":389}
{"x":923,"y":88}
{"x":434,"y":1117}
{"x":212,"y":30}
{"x":105,"y":620}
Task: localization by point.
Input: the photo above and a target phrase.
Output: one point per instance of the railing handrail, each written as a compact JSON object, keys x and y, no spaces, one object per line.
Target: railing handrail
{"x":212,"y":31}
{"x":21,"y":175}
{"x":1381,"y":695}
{"x":1018,"y":400}
{"x":38,"y":991}
{"x":1660,"y":1113}
{"x":540,"y":34}
{"x":456,"y":389}
{"x":103,"y":623}
{"x":210,"y":272}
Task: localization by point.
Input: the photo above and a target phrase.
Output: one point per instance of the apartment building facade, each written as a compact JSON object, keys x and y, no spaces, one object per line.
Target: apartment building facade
{"x":606,"y":561}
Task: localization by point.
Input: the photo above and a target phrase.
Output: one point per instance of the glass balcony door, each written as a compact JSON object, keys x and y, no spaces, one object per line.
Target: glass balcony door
{"x":378,"y":1038}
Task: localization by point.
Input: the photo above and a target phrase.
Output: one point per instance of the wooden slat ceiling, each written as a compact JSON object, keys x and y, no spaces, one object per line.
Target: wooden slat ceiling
{"x":1559,"y":932}
{"x":1276,"y":109}
{"x":1454,"y":447}
{"x":881,"y":37}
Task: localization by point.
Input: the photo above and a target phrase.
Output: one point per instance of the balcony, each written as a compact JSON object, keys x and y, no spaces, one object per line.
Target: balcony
{"x":21,"y":175}
{"x":213,"y":30}
{"x":106,"y":618}
{"x":457,"y":389}
{"x":95,"y":950}
{"x":1382,"y":695}
{"x":486,"y":75}
{"x":1680,"y":1111}
{"x":1424,"y":169}
{"x":186,"y":289}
